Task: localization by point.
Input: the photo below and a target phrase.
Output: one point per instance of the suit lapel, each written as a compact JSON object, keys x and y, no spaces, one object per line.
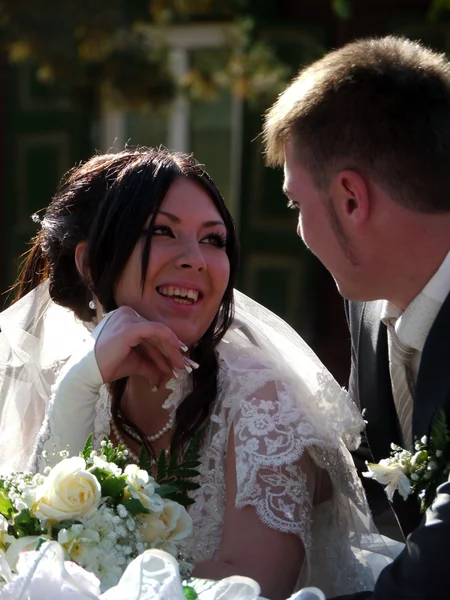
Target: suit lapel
{"x":433,"y":382}
{"x":375,"y":391}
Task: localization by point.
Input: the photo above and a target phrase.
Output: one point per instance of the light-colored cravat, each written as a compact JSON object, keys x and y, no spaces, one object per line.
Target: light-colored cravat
{"x":400,"y":356}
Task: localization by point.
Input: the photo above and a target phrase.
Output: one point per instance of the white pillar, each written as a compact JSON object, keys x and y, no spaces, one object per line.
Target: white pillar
{"x":236,"y":133}
{"x":178,"y":129}
{"x":112,"y":131}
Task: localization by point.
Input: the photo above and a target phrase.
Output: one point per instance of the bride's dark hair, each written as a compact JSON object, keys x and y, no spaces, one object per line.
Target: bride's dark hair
{"x":106,"y":202}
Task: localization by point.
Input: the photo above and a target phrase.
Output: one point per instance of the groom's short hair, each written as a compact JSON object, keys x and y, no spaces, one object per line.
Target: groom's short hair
{"x":382,"y":105}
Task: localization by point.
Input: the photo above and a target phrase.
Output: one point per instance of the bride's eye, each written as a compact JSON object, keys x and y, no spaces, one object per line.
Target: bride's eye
{"x":159,"y":230}
{"x":215,"y":239}
{"x":292,"y":205}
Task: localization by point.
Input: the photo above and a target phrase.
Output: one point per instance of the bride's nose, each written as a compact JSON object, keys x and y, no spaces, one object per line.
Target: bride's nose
{"x":191,"y":257}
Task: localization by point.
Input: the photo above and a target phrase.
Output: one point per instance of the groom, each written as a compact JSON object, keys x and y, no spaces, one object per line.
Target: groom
{"x":364,"y":137}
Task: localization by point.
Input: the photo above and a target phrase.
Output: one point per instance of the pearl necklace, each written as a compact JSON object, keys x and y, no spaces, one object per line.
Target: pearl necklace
{"x":131,"y":455}
{"x":151,"y":438}
{"x":155,"y":436}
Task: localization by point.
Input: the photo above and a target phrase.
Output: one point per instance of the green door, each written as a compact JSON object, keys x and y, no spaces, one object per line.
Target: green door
{"x":45,"y":136}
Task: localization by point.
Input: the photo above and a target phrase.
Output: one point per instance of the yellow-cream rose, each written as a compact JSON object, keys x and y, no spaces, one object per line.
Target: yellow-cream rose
{"x":69,"y":491}
{"x":172,"y":524}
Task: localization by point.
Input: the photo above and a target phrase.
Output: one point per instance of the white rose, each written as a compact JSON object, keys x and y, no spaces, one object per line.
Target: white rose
{"x":23,"y":544}
{"x":101,"y":463}
{"x":69,"y":491}
{"x":80,"y":544}
{"x":171,"y":525}
{"x":142,"y":486}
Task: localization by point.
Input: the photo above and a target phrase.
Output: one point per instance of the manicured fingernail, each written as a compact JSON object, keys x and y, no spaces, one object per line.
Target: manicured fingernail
{"x":154,"y":388}
{"x":191,"y":363}
{"x":183,"y":347}
{"x":175,"y":374}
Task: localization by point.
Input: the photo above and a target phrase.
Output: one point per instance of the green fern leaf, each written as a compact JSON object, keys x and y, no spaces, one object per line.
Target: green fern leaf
{"x":87,"y":450}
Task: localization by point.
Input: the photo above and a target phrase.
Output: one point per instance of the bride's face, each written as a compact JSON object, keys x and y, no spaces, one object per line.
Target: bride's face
{"x":188,"y":269}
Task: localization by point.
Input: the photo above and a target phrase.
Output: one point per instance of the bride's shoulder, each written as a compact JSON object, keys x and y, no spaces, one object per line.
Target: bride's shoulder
{"x":240,"y":356}
{"x":246,"y":371}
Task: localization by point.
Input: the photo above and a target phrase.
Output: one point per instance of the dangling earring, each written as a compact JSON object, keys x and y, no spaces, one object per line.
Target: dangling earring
{"x":92,"y":305}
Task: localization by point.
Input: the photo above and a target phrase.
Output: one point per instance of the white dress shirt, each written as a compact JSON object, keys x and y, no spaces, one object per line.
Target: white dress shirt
{"x":414,"y":323}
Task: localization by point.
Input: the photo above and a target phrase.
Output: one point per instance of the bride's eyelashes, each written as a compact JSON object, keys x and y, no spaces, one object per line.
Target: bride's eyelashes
{"x":160,"y":230}
{"x":214,"y":238}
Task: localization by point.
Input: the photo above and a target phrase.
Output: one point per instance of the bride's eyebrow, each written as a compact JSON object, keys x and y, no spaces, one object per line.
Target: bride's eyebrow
{"x":176,"y":220}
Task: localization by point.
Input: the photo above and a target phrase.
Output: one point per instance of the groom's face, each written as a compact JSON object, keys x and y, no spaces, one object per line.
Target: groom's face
{"x":318,"y":223}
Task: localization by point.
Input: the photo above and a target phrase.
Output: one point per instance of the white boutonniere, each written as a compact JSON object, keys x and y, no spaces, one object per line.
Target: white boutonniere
{"x":419,"y":472}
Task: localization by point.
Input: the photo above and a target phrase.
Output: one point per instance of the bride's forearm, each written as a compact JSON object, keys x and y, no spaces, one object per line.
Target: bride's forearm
{"x":220,"y":569}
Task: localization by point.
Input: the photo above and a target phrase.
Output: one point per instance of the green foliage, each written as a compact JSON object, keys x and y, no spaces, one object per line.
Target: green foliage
{"x":24,"y":524}
{"x":189,"y":592}
{"x":439,"y":456}
{"x":120,"y":47}
{"x":112,"y":487}
{"x":342,"y":8}
{"x":439,"y":437}
{"x":175,"y":475}
{"x":87,"y":450}
{"x":135,"y":507}
{"x":6,"y":506}
{"x":144,"y":460}
{"x":67,"y":524}
{"x":439,"y":9}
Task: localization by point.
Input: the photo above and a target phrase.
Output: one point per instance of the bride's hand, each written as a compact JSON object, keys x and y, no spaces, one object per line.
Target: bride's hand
{"x":128,"y":344}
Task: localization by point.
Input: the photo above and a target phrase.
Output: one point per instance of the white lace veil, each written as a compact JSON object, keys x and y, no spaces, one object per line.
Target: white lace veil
{"x":337,"y":422}
{"x":37,"y":337}
{"x":289,"y":354}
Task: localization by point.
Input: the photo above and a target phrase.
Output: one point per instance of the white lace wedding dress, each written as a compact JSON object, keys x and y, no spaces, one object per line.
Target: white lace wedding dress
{"x":291,"y":426}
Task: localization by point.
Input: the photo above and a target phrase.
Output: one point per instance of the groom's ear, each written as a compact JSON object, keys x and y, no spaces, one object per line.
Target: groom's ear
{"x":352,"y":192}
{"x":81,"y":260}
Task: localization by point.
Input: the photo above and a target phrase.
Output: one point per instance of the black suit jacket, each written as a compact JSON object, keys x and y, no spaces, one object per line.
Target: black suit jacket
{"x":370,"y":387}
{"x":421,"y":571}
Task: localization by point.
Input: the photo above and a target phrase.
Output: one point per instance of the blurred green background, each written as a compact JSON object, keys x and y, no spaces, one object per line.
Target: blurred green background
{"x":81,"y":76}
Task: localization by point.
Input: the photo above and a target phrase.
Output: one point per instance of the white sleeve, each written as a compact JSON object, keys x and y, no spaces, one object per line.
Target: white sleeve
{"x":71,"y":412}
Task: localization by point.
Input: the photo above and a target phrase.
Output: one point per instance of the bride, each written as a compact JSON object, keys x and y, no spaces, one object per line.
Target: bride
{"x":132,"y":275}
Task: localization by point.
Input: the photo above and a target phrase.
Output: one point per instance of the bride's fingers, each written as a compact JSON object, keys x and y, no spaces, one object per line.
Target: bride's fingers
{"x":157,"y":336}
{"x":146,"y":369}
{"x":148,"y":353}
{"x":122,"y":333}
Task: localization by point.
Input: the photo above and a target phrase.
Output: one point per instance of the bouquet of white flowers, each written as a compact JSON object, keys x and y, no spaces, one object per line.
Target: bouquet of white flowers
{"x":102,"y":511}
